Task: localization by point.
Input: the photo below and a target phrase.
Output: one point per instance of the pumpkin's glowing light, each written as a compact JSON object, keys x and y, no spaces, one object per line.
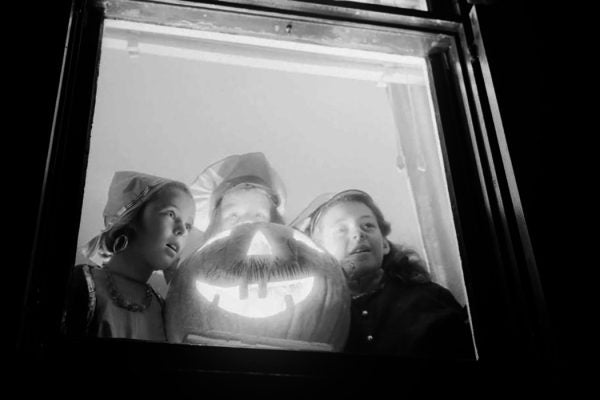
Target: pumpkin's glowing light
{"x":218,"y":236}
{"x":279,"y":297}
{"x":259,"y":246}
{"x":301,"y":237}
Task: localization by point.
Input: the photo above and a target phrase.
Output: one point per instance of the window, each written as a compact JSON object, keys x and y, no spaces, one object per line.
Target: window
{"x":336,"y":97}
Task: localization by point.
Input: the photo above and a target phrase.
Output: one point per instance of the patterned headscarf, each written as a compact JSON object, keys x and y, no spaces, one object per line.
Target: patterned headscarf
{"x":128,"y":190}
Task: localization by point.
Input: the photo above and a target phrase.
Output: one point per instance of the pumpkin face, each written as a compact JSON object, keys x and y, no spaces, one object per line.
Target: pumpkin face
{"x":259,"y":285}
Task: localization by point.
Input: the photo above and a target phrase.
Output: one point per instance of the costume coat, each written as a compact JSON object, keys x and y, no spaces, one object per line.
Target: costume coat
{"x":408,"y":315}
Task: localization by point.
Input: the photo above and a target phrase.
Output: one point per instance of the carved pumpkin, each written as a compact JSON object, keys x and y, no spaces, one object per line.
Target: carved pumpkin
{"x":259,"y":285}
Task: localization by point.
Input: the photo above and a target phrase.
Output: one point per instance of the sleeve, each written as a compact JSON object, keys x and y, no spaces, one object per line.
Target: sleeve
{"x":80,"y":302}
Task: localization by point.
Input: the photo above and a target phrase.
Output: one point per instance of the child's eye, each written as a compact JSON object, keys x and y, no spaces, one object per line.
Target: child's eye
{"x":340,"y":229}
{"x":188,"y":227}
{"x":171,"y":214}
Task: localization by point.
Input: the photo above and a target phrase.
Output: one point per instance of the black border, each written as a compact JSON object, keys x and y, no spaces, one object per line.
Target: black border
{"x":500,"y":301}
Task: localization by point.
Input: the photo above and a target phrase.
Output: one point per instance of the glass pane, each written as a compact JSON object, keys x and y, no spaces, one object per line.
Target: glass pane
{"x":328,"y":117}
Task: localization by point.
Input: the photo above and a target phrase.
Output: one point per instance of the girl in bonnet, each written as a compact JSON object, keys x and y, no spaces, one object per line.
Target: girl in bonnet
{"x":238,"y":189}
{"x":147,"y":220}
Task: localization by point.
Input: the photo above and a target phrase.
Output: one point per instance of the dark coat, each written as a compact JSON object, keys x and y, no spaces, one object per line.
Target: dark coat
{"x":408,"y":315}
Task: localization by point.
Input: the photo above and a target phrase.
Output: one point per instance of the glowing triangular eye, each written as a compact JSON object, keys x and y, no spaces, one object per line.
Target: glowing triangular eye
{"x":259,"y":246}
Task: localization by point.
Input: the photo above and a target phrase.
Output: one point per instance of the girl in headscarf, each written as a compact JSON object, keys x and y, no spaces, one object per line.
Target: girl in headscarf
{"x":396,"y":309}
{"x":238,"y":189}
{"x":147,"y":220}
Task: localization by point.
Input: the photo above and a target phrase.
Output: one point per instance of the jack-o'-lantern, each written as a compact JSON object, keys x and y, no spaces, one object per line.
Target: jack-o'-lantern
{"x":259,"y":285}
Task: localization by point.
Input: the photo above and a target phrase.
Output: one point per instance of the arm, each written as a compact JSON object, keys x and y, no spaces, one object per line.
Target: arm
{"x":80,"y":303}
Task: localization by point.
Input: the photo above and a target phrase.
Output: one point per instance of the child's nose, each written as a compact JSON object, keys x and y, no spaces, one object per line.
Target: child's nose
{"x":357,"y":233}
{"x":179,"y":228}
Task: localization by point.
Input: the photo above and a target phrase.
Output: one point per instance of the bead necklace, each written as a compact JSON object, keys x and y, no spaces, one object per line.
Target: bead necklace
{"x":118,"y":298}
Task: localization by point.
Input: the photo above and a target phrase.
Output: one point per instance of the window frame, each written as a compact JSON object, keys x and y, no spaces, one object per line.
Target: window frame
{"x":496,"y":258}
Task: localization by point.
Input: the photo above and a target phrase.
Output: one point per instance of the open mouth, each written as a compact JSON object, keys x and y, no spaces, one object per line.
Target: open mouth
{"x":173,"y":247}
{"x":360,"y":249}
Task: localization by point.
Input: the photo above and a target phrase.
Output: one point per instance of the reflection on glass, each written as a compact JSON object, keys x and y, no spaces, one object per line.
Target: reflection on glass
{"x":412,"y":4}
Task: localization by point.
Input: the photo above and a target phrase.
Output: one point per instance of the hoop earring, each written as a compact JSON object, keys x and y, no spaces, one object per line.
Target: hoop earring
{"x":120,"y":244}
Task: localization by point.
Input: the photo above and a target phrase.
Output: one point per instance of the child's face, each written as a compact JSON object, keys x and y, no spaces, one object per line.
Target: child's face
{"x":164,"y":227}
{"x":242,"y":206}
{"x":349,"y":231}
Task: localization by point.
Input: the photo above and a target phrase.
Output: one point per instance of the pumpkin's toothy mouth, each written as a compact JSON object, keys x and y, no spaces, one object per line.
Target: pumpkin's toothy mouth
{"x":279,"y":296}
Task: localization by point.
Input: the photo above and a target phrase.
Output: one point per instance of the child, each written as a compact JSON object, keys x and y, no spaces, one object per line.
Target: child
{"x":396,"y":309}
{"x":235,"y":190}
{"x":147,"y":220}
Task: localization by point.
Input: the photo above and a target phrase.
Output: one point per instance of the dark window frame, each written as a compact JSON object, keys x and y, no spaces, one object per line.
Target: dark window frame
{"x":508,"y":315}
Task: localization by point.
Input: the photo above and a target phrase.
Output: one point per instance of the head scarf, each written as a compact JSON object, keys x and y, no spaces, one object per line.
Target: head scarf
{"x":308,"y":218}
{"x":238,"y":170}
{"x":128,"y":190}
